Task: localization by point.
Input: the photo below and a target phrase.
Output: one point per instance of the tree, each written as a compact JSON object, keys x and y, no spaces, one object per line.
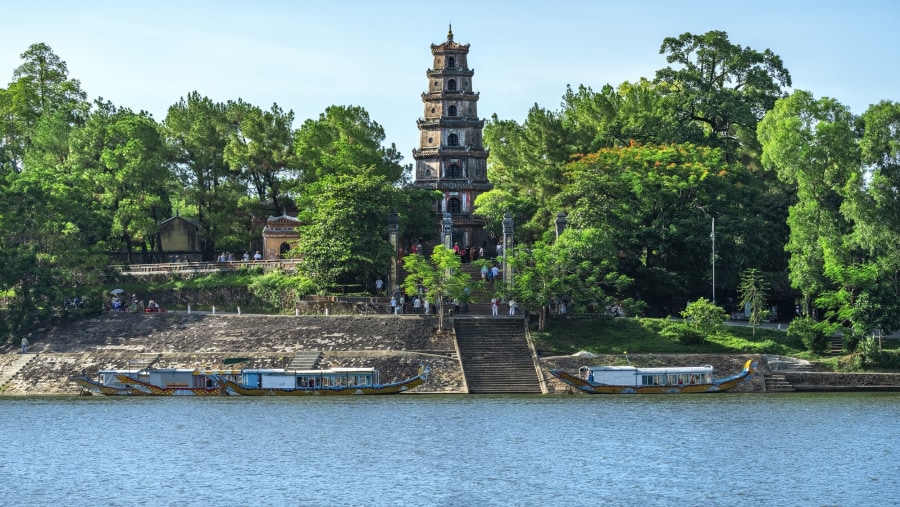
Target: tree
{"x":633,"y":112}
{"x":439,"y":274}
{"x":123,"y":156}
{"x":341,"y":141}
{"x":41,"y":89}
{"x":579,"y":269}
{"x":197,"y":131}
{"x":344,"y":237}
{"x":754,"y":295}
{"x":811,"y":145}
{"x":261,"y":148}
{"x":656,"y":203}
{"x":722,"y":86}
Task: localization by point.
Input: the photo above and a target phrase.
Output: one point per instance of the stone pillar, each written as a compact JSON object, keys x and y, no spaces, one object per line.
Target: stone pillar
{"x":507,"y":246}
{"x":560,"y":223}
{"x":393,"y":229}
{"x":447,"y":230}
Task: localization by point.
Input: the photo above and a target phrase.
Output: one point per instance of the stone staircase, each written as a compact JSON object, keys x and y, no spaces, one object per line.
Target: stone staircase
{"x":837,"y":346}
{"x":495,"y":355}
{"x":14,"y":368}
{"x":776,"y":381}
{"x":143,"y":360}
{"x":305,"y":360}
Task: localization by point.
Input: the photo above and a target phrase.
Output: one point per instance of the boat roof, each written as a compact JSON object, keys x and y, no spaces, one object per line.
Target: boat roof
{"x":656,"y":370}
{"x":328,"y":371}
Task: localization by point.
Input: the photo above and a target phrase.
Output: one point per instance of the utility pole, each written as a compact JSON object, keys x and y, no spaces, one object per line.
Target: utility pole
{"x":712,"y":236}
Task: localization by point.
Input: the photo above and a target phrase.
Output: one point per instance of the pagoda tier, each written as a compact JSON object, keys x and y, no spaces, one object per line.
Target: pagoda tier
{"x":451,"y":157}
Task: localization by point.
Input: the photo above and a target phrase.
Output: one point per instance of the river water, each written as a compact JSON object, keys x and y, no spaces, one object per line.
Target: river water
{"x":727,"y":449}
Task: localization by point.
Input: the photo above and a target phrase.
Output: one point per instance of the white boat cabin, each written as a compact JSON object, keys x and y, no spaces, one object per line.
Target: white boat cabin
{"x":633,"y":376}
{"x":167,"y":377}
{"x":270,"y":378}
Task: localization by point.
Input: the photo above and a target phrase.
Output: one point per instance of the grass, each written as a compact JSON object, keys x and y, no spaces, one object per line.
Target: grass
{"x":604,"y":335}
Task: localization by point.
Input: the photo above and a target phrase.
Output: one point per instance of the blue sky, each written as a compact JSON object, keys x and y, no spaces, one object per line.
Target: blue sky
{"x":306,"y":56}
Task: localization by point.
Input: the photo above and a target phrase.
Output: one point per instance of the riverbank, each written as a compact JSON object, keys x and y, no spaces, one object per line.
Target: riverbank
{"x":396,"y":345}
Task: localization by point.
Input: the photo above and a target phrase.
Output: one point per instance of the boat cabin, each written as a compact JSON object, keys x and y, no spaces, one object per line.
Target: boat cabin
{"x":167,"y":377}
{"x":633,"y":376}
{"x":270,"y":378}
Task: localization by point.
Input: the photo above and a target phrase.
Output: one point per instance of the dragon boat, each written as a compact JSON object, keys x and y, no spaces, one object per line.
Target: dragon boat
{"x":634,"y":380}
{"x":325,"y":382}
{"x":157,"y":382}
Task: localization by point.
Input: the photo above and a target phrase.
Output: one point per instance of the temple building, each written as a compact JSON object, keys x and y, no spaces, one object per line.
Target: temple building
{"x":451,"y":157}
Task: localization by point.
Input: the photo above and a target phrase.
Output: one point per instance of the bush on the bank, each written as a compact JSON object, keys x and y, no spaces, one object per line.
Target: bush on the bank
{"x":869,"y":356}
{"x":682,"y":333}
{"x":810,"y":333}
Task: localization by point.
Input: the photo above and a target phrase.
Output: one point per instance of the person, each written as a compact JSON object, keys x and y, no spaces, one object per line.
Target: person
{"x":394,"y":305}
{"x":512,"y":307}
{"x":427,"y":307}
{"x":24,"y":345}
{"x":495,"y":306}
{"x":246,"y":256}
{"x":499,"y":249}
{"x":417,"y":304}
{"x":495,"y":273}
{"x":481,"y":252}
{"x":420,"y":249}
{"x":456,"y":248}
{"x":379,"y":284}
{"x":257,"y":256}
{"x":484,"y":272}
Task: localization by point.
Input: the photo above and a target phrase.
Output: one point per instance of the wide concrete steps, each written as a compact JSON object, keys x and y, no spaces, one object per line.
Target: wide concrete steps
{"x":777,"y":382}
{"x":14,"y":368}
{"x":306,"y":360}
{"x":495,"y":356}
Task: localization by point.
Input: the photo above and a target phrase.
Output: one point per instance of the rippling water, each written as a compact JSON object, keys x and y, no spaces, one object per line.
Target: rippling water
{"x":794,"y":449}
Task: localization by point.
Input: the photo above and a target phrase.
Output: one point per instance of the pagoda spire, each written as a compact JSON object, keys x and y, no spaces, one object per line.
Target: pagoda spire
{"x":450,"y":33}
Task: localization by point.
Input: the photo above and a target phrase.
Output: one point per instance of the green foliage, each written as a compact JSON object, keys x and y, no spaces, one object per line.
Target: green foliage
{"x":754,"y":294}
{"x":578,"y":268}
{"x":810,"y":333}
{"x":683,"y":333}
{"x":605,"y":335}
{"x":703,"y":316}
{"x":261,"y":149}
{"x":870,"y":357}
{"x":341,"y":141}
{"x":343,"y":239}
{"x":722,"y":86}
{"x":440,"y":275}
{"x":280,"y":291}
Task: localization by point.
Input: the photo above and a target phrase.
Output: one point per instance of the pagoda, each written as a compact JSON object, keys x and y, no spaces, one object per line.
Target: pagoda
{"x":451,"y":157}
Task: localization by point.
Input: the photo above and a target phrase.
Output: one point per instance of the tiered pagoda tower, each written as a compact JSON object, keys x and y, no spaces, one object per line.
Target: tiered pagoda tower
{"x":451,"y":157}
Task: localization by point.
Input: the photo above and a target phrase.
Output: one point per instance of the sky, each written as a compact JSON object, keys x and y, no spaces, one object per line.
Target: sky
{"x":308,"y":55}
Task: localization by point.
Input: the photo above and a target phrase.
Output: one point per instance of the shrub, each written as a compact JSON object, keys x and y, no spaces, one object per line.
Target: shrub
{"x":810,"y":333}
{"x":703,"y":316}
{"x":682,"y":333}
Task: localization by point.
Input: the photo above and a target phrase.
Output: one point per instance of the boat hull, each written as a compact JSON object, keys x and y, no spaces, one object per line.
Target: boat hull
{"x":234,"y":388}
{"x":96,"y":387}
{"x":717,"y":386}
{"x":155,"y":390}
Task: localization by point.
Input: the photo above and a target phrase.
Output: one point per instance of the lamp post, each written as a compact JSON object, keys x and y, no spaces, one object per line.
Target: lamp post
{"x":561,"y":221}
{"x":393,"y":230}
{"x":447,"y":226}
{"x":507,"y":246}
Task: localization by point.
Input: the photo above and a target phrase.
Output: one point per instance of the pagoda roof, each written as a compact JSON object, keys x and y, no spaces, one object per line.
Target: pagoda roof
{"x":449,"y":45}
